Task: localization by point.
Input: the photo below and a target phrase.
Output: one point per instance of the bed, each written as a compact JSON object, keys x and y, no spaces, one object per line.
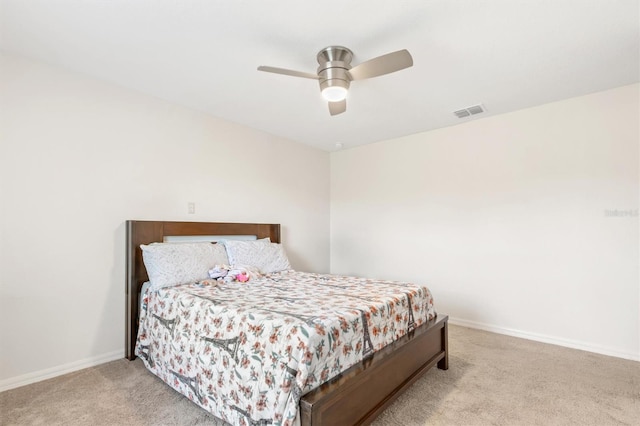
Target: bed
{"x":356,"y":395}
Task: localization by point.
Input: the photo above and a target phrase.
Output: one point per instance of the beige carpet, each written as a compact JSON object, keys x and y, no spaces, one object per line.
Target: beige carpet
{"x":492,"y":380}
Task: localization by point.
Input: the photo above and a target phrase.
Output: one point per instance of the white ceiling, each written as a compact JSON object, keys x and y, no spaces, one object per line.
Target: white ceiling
{"x":505,"y":54}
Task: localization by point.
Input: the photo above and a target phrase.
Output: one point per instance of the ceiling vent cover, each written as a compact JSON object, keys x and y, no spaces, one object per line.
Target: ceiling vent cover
{"x":468,"y":111}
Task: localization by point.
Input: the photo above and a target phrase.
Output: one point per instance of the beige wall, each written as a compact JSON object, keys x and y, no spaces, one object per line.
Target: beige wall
{"x":78,"y":157}
{"x":506,"y":218}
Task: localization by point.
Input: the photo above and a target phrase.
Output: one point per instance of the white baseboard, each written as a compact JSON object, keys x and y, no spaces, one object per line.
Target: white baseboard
{"x":48,"y":373}
{"x":546,"y":339}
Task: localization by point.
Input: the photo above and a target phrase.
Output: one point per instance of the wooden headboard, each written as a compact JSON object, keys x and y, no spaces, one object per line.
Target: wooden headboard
{"x":146,"y":232}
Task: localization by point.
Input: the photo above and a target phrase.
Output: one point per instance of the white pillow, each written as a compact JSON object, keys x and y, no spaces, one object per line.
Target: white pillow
{"x":170,"y":264}
{"x":267,"y":257}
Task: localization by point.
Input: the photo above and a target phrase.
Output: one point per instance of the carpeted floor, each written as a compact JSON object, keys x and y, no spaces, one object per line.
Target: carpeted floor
{"x":492,"y":380}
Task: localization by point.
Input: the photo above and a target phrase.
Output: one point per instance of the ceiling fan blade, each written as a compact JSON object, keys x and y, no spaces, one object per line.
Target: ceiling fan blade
{"x":287,"y":72}
{"x":385,"y":64}
{"x":339,"y":107}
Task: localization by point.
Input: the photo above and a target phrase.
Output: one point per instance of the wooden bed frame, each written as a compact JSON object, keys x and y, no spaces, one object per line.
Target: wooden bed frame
{"x":354,"y":397}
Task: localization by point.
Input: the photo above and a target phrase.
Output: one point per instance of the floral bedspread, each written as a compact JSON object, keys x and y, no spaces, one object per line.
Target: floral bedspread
{"x":246,"y":352}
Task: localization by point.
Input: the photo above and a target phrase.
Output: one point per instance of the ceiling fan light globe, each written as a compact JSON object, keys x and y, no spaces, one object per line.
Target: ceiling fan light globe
{"x":334,"y":93}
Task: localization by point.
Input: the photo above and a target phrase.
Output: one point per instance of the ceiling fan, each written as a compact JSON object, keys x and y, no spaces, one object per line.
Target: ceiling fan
{"x":335,"y":72}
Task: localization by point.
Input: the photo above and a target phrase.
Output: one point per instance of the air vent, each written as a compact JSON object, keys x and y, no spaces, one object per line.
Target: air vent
{"x":468,"y":111}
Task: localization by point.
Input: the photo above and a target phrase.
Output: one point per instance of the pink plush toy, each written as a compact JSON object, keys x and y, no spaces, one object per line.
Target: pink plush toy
{"x":243,"y":277}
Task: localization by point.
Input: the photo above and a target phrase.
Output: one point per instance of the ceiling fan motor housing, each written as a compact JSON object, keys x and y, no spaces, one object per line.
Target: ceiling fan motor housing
{"x":335,"y":63}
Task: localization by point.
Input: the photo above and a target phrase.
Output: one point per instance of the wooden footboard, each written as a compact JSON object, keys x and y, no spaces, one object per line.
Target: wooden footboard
{"x":359,"y":394}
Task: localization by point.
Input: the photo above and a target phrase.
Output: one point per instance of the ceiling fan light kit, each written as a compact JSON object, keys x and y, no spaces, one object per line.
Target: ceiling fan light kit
{"x":335,"y":72}
{"x":335,"y":93}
